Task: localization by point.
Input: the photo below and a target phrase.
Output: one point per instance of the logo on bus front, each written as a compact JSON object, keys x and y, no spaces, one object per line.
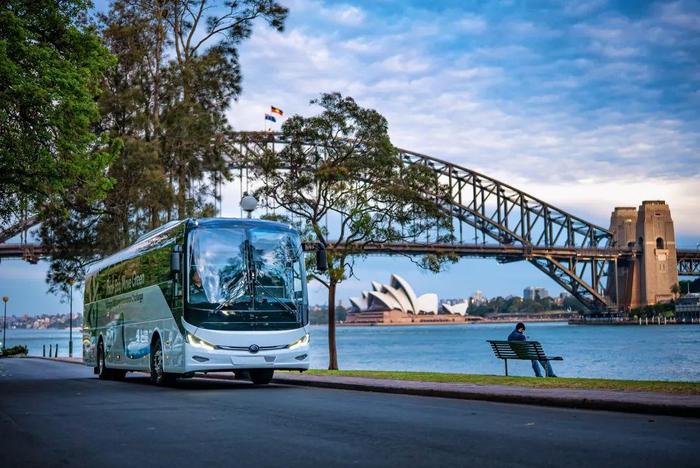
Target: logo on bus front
{"x":253,"y":348}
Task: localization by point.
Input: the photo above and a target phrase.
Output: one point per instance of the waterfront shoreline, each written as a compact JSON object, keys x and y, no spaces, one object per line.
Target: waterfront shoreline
{"x":475,"y":322}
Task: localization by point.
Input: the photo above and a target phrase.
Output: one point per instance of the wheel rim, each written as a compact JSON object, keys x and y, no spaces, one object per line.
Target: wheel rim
{"x":158,"y":363}
{"x":101,"y":360}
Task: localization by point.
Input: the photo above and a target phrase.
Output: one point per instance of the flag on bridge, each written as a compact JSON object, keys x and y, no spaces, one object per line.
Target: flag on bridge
{"x":270,"y":117}
{"x":276,"y":110}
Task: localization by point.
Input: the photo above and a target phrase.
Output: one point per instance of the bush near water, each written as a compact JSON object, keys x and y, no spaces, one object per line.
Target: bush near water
{"x":18,"y":350}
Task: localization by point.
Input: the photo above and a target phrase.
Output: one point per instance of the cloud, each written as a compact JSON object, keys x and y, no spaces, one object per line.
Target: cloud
{"x":558,"y":105}
{"x":681,"y":14}
{"x":581,"y":8}
{"x":347,"y":15}
{"x":338,"y":14}
{"x":405,"y":63}
{"x":471,"y":24}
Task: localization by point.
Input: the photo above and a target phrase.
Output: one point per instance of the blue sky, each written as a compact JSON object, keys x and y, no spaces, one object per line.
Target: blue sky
{"x":588,"y":105}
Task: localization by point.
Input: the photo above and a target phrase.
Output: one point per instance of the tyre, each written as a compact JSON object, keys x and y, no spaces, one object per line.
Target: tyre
{"x":158,"y":374}
{"x":261,"y":376}
{"x":102,"y":371}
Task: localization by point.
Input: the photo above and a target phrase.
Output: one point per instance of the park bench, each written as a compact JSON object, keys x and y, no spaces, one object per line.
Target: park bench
{"x":522,"y":350}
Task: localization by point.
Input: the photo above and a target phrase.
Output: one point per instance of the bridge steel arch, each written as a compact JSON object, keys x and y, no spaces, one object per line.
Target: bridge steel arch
{"x":577,"y":254}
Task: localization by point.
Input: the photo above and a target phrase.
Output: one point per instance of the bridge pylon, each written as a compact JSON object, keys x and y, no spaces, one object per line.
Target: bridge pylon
{"x":648,"y":277}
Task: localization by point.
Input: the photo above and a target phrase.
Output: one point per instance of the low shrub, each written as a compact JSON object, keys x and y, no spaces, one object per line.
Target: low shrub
{"x":15,"y":350}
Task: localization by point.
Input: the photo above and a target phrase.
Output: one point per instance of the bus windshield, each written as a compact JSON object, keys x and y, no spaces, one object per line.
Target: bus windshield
{"x":245,"y":278}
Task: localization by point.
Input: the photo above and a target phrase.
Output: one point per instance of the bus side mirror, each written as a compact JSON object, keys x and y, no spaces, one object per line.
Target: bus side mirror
{"x":176,"y":260}
{"x":321,"y":259}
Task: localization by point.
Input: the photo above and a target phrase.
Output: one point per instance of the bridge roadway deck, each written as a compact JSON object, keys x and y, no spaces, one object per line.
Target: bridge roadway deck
{"x":55,"y":414}
{"x":504,"y":252}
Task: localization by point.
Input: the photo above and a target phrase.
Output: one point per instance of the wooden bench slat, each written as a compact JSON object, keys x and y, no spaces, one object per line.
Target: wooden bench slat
{"x":522,"y":350}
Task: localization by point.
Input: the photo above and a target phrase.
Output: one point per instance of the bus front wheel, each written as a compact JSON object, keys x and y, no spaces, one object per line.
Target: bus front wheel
{"x":158,"y":374}
{"x":102,"y":371}
{"x":261,"y":376}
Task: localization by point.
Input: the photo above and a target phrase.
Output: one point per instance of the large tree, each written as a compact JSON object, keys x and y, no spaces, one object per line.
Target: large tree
{"x":340,"y":169}
{"x":163,"y":107}
{"x":205,"y":52}
{"x":177,"y":74}
{"x":51,"y":67}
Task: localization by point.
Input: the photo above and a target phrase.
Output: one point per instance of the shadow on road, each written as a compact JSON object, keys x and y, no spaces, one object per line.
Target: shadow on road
{"x":201,"y":383}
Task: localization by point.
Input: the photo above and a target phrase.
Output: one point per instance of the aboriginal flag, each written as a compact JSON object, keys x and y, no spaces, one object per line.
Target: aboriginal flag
{"x":276,"y":110}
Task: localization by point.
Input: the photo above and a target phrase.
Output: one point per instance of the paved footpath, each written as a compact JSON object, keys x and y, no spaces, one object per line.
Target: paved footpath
{"x":636,"y":402}
{"x":59,"y":414}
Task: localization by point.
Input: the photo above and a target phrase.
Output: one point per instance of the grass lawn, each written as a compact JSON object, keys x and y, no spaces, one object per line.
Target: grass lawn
{"x":686,"y":388}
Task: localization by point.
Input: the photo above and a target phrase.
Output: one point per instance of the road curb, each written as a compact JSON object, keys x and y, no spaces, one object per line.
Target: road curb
{"x":526,"y":399}
{"x":58,"y":359}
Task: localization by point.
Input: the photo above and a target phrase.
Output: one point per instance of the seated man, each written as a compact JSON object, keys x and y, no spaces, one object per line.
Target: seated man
{"x":519,"y":335}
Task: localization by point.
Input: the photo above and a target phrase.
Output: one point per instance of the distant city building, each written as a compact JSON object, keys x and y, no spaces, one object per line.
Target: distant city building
{"x":478,"y":298}
{"x":532,"y":293}
{"x":688,"y":307}
{"x":41,"y":322}
{"x":561,"y":298}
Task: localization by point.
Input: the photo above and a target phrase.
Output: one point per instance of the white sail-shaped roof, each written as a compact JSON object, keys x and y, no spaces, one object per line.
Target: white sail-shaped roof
{"x":404,"y":304}
{"x":459,"y":308}
{"x":380,"y":300}
{"x":359,"y":302}
{"x":427,"y":303}
{"x":400,"y":283}
{"x":398,"y":295}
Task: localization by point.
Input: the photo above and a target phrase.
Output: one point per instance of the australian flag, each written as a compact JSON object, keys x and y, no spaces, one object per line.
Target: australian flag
{"x":270,"y":117}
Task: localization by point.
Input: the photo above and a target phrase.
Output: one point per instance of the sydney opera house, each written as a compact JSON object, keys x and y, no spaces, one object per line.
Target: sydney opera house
{"x":396,"y":303}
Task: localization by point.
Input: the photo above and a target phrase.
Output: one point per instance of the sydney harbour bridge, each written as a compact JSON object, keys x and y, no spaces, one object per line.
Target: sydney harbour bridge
{"x":634,"y":262}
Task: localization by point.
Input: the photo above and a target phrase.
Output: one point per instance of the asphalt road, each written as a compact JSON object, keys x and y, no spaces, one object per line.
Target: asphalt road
{"x":57,"y":414}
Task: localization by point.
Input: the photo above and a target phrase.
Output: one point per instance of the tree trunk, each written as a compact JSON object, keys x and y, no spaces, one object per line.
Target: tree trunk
{"x":182,"y":193}
{"x":125,"y":228}
{"x":332,"y":353}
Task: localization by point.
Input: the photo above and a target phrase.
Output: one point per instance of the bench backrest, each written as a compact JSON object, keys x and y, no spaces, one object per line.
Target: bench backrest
{"x":517,"y":349}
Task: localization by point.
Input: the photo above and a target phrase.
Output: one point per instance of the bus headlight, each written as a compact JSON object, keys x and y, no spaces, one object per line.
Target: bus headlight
{"x":300,"y":342}
{"x":199,"y":343}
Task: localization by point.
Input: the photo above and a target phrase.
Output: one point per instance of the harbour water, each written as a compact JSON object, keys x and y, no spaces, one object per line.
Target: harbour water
{"x":669,"y":352}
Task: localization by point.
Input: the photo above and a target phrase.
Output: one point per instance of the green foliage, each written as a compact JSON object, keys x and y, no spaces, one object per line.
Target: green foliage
{"x":660,"y":309}
{"x":686,"y":286}
{"x":51,"y":67}
{"x":352,"y":172}
{"x":16,"y":350}
{"x":517,"y":305}
{"x":319,"y":316}
{"x":163,"y":111}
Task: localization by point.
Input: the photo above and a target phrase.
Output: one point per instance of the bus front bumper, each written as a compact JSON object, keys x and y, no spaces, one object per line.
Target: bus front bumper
{"x":200,"y":359}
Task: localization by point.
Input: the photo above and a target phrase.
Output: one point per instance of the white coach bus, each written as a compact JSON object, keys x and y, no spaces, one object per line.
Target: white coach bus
{"x":199,"y":296}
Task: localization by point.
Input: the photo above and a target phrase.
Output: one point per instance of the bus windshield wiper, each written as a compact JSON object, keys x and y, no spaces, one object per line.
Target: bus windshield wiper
{"x":232,"y":293}
{"x":278,"y":300}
